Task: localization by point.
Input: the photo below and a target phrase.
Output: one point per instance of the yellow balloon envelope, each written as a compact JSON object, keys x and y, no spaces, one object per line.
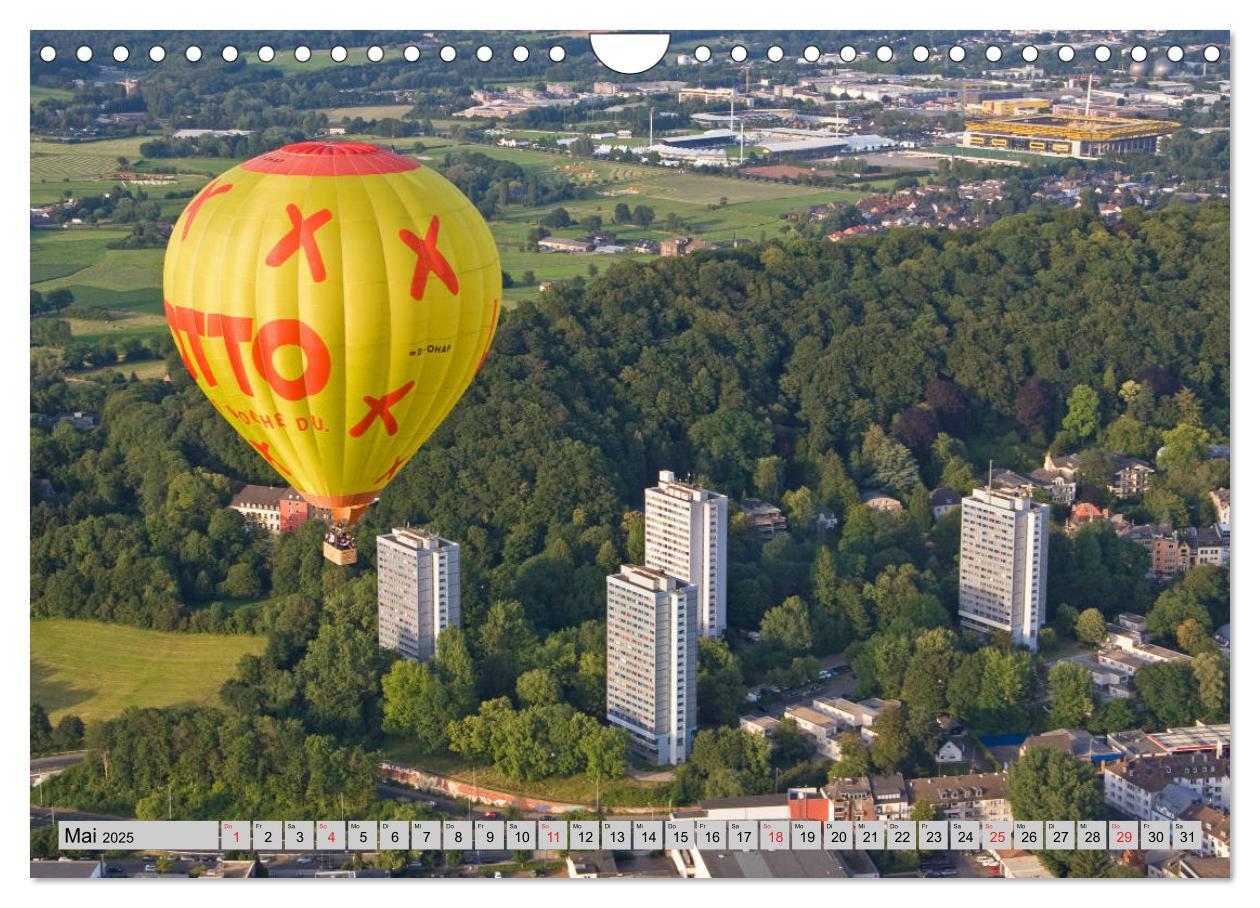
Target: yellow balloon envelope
{"x":334,"y":301}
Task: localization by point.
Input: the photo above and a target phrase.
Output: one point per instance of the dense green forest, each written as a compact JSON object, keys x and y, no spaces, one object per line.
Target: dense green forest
{"x":797,"y":371}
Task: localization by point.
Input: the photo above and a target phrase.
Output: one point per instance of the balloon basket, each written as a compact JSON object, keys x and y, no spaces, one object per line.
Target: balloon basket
{"x":340,"y":548}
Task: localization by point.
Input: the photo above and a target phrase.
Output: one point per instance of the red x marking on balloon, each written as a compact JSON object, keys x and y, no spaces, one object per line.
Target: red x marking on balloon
{"x":301,"y":236}
{"x":428,"y":260}
{"x":389,"y":474}
{"x":208,"y":193}
{"x":264,"y":449}
{"x":379,"y":406}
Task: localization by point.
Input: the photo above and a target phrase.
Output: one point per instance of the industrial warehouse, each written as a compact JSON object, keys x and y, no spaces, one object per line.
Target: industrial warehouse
{"x":1077,"y":137}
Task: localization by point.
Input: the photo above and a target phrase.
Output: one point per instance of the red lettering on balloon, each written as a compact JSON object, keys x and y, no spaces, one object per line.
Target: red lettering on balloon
{"x":301,"y":235}
{"x":379,"y":407}
{"x":428,"y":261}
{"x":284,"y":332}
{"x":389,"y":474}
{"x":265,"y":450}
{"x":235,"y":330}
{"x":208,"y":193}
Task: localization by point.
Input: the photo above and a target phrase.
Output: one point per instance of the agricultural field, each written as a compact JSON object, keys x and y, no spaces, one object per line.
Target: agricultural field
{"x":96,"y":670}
{"x":127,"y":279}
{"x":368,"y":112}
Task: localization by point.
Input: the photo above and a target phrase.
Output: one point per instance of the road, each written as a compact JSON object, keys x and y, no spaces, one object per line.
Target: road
{"x":42,"y":816}
{"x":56,"y":761}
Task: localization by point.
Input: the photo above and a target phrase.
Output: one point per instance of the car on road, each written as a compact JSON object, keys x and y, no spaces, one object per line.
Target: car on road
{"x":491,"y":814}
{"x":304,"y":859}
{"x":150,"y":868}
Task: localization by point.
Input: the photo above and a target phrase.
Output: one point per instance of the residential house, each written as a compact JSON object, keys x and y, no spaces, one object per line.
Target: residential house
{"x":765,"y":518}
{"x":892,"y":799}
{"x":1183,"y":866}
{"x":1220,"y":501}
{"x":1131,"y":477}
{"x":852,"y":799}
{"x":956,"y":750}
{"x":1215,"y":825}
{"x":1162,"y":544}
{"x":1074,"y":742}
{"x":674,"y":245}
{"x":975,"y":796}
{"x":943,"y":501}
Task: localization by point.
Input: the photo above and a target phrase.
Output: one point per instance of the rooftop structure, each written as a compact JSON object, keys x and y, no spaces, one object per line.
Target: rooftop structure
{"x":1078,"y":137}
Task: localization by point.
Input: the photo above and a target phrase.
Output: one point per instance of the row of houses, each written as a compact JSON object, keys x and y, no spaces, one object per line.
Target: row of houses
{"x":1174,"y":552}
{"x":826,"y":720}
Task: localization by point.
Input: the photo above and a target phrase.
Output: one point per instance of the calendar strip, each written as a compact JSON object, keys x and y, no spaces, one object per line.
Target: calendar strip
{"x":637,"y":834}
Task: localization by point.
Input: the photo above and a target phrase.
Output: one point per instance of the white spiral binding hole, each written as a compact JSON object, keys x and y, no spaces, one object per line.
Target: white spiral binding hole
{"x":739,"y":53}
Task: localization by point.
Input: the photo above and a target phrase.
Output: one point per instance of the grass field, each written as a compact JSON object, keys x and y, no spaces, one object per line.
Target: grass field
{"x":96,"y":670}
{"x":128,"y":279}
{"x":369,"y":112}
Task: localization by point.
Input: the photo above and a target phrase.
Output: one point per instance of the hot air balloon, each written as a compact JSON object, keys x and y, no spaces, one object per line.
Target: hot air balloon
{"x":333,"y":300}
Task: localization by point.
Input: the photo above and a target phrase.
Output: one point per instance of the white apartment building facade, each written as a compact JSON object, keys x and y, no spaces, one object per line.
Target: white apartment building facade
{"x":684,"y":536}
{"x":1133,"y":786}
{"x":653,"y":647}
{"x":417,"y":590}
{"x":1002,"y":564}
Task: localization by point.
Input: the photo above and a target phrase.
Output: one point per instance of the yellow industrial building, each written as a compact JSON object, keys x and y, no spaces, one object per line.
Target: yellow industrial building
{"x":1075,"y":137}
{"x":1014,"y":107}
